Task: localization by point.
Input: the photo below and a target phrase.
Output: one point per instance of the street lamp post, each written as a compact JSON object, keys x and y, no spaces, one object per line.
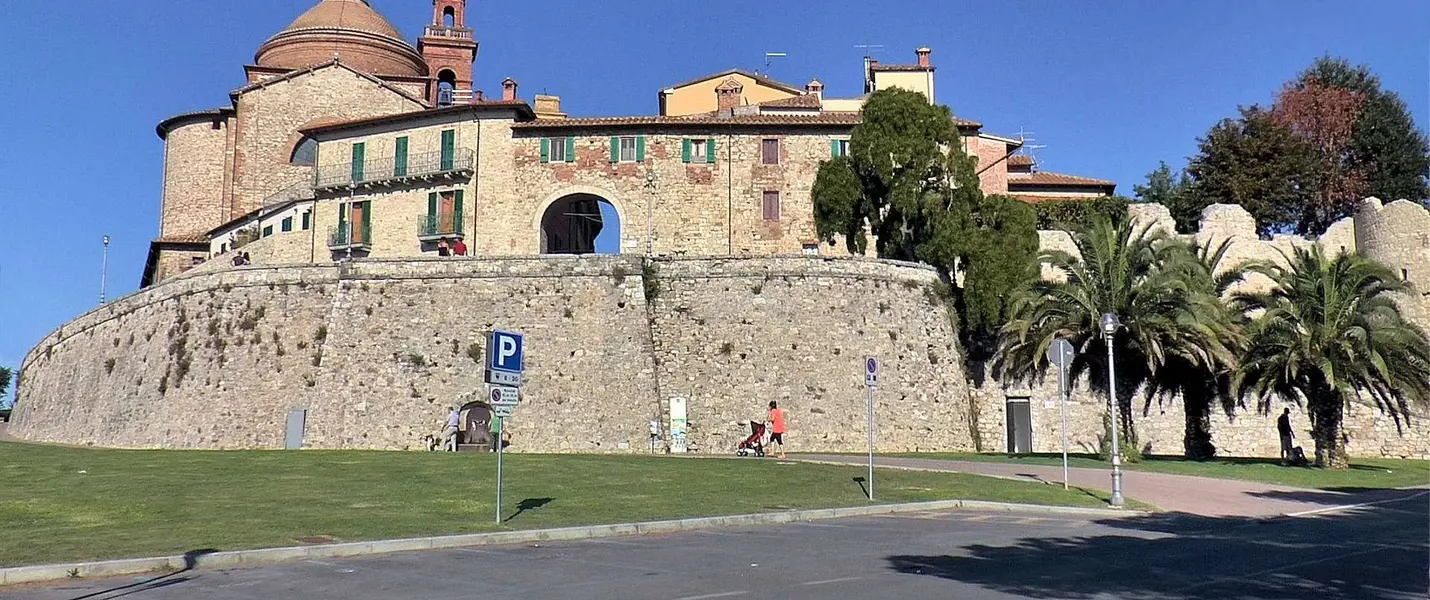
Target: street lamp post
{"x":1110,"y":324}
{"x":104,"y":270}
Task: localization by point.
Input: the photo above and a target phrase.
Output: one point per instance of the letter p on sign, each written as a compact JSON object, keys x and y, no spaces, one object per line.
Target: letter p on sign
{"x":504,"y":351}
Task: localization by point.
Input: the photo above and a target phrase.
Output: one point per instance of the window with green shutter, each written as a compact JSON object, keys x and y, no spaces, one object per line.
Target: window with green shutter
{"x":267,"y":231}
{"x":571,"y":148}
{"x":710,"y":151}
{"x":615,"y":149}
{"x":457,"y":212}
{"x":307,"y":220}
{"x":685,"y":150}
{"x":399,"y":164}
{"x":838,"y":148}
{"x":640,"y":148}
{"x":359,"y":149}
{"x":287,"y":225}
{"x":449,"y":148}
{"x":545,"y":150}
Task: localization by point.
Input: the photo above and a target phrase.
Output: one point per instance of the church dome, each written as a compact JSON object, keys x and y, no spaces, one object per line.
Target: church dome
{"x":350,"y":29}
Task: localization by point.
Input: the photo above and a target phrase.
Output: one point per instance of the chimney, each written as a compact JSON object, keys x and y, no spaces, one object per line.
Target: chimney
{"x":727,"y":96}
{"x":478,"y":96}
{"x":815,"y":87}
{"x":547,"y":107}
{"x":923,"y":54}
{"x":508,"y":89}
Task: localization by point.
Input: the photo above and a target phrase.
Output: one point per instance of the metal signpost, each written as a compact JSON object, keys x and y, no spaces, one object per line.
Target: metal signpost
{"x":503,"y":371}
{"x":1061,"y":354}
{"x":871,"y":381}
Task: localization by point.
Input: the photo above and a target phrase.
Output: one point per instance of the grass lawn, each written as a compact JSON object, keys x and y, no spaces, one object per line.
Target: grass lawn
{"x":1365,"y":473}
{"x":66,"y":504}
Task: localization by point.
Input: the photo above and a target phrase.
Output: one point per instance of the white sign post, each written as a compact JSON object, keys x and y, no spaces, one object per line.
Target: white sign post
{"x":1061,"y":354}
{"x":504,"y":366}
{"x":871,"y":381}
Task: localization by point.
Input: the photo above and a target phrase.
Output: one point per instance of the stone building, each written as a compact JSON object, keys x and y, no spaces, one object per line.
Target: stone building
{"x":389,"y":152}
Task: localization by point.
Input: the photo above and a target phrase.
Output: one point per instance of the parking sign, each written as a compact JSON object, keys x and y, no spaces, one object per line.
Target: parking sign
{"x":504,"y":358}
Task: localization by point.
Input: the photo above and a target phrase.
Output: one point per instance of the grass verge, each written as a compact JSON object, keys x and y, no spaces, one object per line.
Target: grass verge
{"x":70,"y":504}
{"x":1363,"y":474}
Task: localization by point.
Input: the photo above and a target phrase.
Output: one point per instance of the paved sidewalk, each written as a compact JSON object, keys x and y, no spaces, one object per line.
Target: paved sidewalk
{"x":1181,"y":493}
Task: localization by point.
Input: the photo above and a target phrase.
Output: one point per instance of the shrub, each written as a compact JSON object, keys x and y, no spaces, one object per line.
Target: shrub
{"x":649,"y":281}
{"x":726,"y":348}
{"x":416,"y":360}
{"x":321,"y":335}
{"x":474,"y":352}
{"x":108,"y":366}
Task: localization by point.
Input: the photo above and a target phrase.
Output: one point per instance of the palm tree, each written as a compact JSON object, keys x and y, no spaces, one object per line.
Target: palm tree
{"x":1130,"y":271}
{"x":1327,"y":332}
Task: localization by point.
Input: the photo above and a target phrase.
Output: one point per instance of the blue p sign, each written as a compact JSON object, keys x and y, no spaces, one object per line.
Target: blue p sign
{"x":504,"y":352}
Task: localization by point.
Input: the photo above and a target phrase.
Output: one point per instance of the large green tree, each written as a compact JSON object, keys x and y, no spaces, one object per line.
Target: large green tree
{"x":1258,"y":163}
{"x":5,"y":375}
{"x":1135,"y":273}
{"x":907,"y":181}
{"x":1326,"y":333}
{"x":1171,"y":190}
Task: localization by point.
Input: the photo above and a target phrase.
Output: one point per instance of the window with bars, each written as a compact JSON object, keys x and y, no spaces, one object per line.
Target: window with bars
{"x":770,"y":151}
{"x":772,"y":205}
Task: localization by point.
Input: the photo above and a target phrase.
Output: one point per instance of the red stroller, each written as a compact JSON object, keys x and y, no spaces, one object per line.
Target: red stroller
{"x":755,"y":443}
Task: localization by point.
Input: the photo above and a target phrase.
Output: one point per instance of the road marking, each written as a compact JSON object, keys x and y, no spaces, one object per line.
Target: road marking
{"x":477,"y":551}
{"x":719,"y":595}
{"x":824,"y":581}
{"x":808,"y":524}
{"x":617,"y":543}
{"x":1329,"y":509}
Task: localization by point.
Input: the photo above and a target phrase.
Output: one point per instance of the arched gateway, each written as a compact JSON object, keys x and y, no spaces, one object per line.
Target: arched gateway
{"x":580,"y":223}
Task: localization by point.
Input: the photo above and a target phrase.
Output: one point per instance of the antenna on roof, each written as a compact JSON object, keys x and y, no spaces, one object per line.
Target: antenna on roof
{"x":870,"y":49}
{"x":770,"y":58}
{"x":1030,"y":149}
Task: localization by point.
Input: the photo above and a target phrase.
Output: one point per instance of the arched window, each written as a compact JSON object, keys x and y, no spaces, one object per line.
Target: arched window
{"x":449,"y":17}
{"x":305,"y":153}
{"x":446,"y":84}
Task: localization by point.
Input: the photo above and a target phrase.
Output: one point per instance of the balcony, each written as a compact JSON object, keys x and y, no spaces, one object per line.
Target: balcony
{"x":431,"y":228}
{"x":350,"y":237}
{"x":389,"y":171}
{"x":456,"y":33}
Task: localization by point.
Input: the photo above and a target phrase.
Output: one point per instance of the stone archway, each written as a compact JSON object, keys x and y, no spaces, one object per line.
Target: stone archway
{"x":476,"y":419}
{"x":580,"y":222}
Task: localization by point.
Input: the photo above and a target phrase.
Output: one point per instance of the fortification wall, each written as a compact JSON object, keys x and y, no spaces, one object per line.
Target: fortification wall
{"x":377,"y":350}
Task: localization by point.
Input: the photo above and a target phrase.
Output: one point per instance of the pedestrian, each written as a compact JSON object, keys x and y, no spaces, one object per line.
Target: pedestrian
{"x":459,"y":248}
{"x":777,"y":427}
{"x":442,"y":249}
{"x":238,"y":259}
{"x":449,"y":435}
{"x":246,"y":259}
{"x":1283,"y":427}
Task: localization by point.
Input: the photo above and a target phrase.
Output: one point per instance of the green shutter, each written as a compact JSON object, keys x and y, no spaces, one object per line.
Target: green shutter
{"x":359,"y":149}
{"x":571,"y":149}
{"x":685,"y":150}
{"x":640,"y":148}
{"x":307,"y":220}
{"x":615,"y":149}
{"x":342,"y":217}
{"x":287,"y":225}
{"x":399,"y":167}
{"x":367,"y":222}
{"x":267,"y":231}
{"x":710,"y":151}
{"x":432,"y":205}
{"x":449,"y":148}
{"x":457,"y":212}
{"x":545,"y":150}
{"x":834,"y":148}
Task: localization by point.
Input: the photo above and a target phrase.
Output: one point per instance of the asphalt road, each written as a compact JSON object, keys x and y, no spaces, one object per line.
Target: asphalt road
{"x":1378,"y":552}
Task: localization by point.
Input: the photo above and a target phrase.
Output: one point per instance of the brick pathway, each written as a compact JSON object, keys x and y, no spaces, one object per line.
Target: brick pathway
{"x":1180,"y":493}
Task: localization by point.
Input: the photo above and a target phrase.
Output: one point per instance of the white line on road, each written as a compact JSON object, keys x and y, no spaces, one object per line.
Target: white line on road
{"x":824,"y":581}
{"x":719,"y":595}
{"x":1328,"y":509}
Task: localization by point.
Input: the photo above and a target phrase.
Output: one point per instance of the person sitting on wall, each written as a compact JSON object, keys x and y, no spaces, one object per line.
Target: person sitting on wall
{"x":238,"y":259}
{"x":442,"y":249}
{"x":459,"y":248}
{"x":246,"y":259}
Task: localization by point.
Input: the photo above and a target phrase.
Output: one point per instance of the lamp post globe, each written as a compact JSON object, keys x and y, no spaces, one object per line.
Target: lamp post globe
{"x":1110,"y":323}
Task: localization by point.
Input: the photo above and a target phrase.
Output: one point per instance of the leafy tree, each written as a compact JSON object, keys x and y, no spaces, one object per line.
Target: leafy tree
{"x":1079,"y":214}
{"x":5,"y":375}
{"x":1130,"y":271}
{"x":1328,"y":332}
{"x":1171,"y":190}
{"x":1258,"y":163}
{"x":907,"y":181}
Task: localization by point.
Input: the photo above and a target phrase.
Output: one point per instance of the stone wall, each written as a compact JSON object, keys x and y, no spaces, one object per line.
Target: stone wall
{"x":194,"y":164}
{"x":376,"y":350}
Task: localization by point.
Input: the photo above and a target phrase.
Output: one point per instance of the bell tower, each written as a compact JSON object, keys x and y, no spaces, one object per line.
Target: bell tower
{"x":449,"y":48}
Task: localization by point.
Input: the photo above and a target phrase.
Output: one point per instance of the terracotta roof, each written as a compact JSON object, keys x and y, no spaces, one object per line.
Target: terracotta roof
{"x":966,"y":123}
{"x":914,"y":68}
{"x":1019,"y":160}
{"x":212,"y":114}
{"x":522,"y":108}
{"x":349,"y":28}
{"x":1038,"y":199}
{"x":829,"y":119}
{"x":344,"y":14}
{"x":755,"y":76}
{"x":329,"y":63}
{"x":1046,"y":178}
{"x":183,"y":239}
{"x":800,"y":101}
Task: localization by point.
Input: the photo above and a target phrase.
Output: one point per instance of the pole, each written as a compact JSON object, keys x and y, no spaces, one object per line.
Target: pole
{"x":104,"y":270}
{"x":499,"y":453}
{"x":1116,"y":424}
{"x":871,"y":442}
{"x":1063,"y":412}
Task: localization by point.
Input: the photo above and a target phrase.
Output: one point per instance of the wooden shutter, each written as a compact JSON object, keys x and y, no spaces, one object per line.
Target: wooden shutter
{"x":366,"y":222}
{"x":834,"y":148}
{"x":710,"y":151}
{"x":640,"y":148}
{"x":307,"y":220}
{"x":545,"y":150}
{"x":772,"y":206}
{"x":615,"y":149}
{"x":570,"y":149}
{"x":287,"y":225}
{"x":457,"y":212}
{"x":449,"y":148}
{"x":431,"y":205}
{"x":685,"y":150}
{"x":399,"y":167}
{"x":359,"y":149}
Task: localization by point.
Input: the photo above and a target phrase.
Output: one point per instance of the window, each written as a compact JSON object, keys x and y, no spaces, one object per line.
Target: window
{"x":449,"y":17}
{"x":838,"y":148}
{"x":305,"y":153}
{"x":628,"y":149}
{"x":770,"y":152}
{"x":558,"y":149}
{"x":449,"y":148}
{"x":287,"y":225}
{"x":399,"y":162}
{"x":1405,"y":274}
{"x":699,"y":151}
{"x":359,"y":149}
{"x":811,"y":249}
{"x":307,"y":220}
{"x":267,"y":231}
{"x":772,"y":206}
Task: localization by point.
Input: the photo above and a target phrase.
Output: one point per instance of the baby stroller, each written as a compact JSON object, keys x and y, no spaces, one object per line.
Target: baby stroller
{"x":755,"y":443}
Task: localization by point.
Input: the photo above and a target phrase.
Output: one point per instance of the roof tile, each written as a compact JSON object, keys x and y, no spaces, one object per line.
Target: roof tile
{"x":1047,"y":178}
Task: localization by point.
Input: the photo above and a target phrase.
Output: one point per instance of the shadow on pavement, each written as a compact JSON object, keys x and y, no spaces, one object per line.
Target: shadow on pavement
{"x":1340,"y":496}
{"x":1371,"y":553}
{"x":191,"y":560}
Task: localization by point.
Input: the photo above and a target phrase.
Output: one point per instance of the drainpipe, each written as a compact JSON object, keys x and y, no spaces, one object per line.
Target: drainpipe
{"x":476,"y":190}
{"x":730,"y":192}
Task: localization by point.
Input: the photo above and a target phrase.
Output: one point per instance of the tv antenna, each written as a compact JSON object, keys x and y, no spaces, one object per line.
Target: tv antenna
{"x":1030,"y":149}
{"x":870,"y":49}
{"x":770,"y":59}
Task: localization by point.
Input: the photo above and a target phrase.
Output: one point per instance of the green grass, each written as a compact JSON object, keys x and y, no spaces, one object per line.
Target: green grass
{"x":1364,"y":473}
{"x":67,"y":504}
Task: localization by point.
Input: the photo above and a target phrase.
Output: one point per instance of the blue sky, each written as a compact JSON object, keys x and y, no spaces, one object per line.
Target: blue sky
{"x":1110,"y":88}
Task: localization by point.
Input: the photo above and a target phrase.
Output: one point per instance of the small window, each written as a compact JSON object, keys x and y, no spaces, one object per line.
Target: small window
{"x":305,"y":153}
{"x":307,"y":220}
{"x":839,"y":148}
{"x":698,"y":151}
{"x":449,"y":17}
{"x":558,"y":150}
{"x":811,"y":249}
{"x":1405,"y":274}
{"x":772,"y":206}
{"x":770,"y":151}
{"x":287,"y":225}
{"x":628,"y":149}
{"x":267,"y":231}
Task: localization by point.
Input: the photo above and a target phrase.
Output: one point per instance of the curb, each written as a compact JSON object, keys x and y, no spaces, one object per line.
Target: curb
{"x":242,"y":558}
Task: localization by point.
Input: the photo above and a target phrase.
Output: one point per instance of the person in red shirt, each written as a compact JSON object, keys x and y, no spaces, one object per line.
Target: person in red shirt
{"x":459,"y":248}
{"x":777,"y":427}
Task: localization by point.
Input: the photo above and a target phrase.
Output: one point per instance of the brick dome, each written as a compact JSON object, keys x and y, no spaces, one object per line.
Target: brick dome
{"x":353,"y":31}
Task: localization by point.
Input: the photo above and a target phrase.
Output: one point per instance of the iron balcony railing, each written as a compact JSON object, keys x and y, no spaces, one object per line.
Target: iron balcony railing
{"x":431,"y":227}
{"x":350,"y":236}
{"x":379,"y":171}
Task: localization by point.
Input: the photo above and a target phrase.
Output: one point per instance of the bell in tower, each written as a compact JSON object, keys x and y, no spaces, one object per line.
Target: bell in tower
{"x":449,"y":48}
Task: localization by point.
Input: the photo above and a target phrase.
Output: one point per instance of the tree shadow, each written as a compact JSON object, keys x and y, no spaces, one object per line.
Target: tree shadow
{"x":191,"y":560}
{"x":1371,"y":553}
{"x":1342,"y":495}
{"x":528,"y":504}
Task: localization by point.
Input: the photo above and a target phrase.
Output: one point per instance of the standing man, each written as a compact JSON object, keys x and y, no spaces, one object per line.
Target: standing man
{"x":449,"y":435}
{"x":777,"y":427}
{"x":1283,"y":427}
